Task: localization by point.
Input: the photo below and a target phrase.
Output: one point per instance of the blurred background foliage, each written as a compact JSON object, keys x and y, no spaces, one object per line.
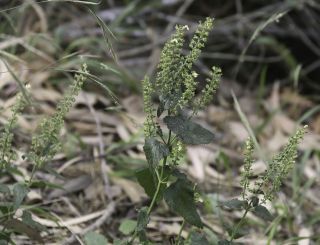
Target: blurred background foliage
{"x":284,"y":49}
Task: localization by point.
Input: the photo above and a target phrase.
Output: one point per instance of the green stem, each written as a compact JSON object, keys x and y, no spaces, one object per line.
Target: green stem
{"x":154,"y":199}
{"x":180,"y":232}
{"x":235,"y":230}
{"x":155,"y":196}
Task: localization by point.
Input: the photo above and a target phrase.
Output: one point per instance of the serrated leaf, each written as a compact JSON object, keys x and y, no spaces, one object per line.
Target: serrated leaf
{"x":127,"y":226}
{"x":19,"y":192}
{"x":197,"y":238}
{"x":188,"y":132}
{"x":155,"y":151}
{"x":234,"y":204}
{"x":180,"y":198}
{"x":263,"y":213}
{"x":19,"y":226}
{"x":93,"y":238}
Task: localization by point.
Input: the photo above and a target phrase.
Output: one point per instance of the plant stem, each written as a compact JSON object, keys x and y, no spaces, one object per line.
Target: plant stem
{"x":160,"y":182}
{"x":155,"y":196}
{"x":235,"y":230}
{"x":180,"y":232}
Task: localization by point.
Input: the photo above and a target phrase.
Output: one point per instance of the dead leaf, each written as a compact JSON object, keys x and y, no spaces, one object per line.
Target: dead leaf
{"x":277,"y":141}
{"x":315,"y":124}
{"x":71,"y":186}
{"x":304,"y":232}
{"x":218,"y":115}
{"x":131,"y":188}
{"x":23,"y":228}
{"x":238,"y":130}
{"x":292,"y":97}
{"x":199,"y":157}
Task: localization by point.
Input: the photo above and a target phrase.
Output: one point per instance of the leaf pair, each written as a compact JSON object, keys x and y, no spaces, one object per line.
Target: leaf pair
{"x":179,"y":195}
{"x":259,"y":210}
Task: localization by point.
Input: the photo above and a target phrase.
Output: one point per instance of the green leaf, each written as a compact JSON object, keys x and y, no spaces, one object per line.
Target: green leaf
{"x":263,"y":213}
{"x":255,"y":201}
{"x":155,"y":151}
{"x":19,"y":192}
{"x":160,"y":108}
{"x":143,"y":219}
{"x":168,"y":101}
{"x":4,"y":189}
{"x":45,"y":184}
{"x":188,"y":132}
{"x":148,"y":183}
{"x":197,"y":238}
{"x":142,"y":222}
{"x":119,"y":242}
{"x":4,"y":242}
{"x":146,"y":180}
{"x":234,"y":204}
{"x":230,"y":229}
{"x":19,"y":226}
{"x":127,"y":226}
{"x":93,"y":238}
{"x":5,"y":237}
{"x":27,"y":219}
{"x":180,"y":198}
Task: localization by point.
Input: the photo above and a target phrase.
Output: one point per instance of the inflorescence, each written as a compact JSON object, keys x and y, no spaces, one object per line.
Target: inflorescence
{"x":175,"y":81}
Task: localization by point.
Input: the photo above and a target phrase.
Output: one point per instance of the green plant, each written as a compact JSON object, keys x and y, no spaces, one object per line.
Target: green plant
{"x":267,"y":186}
{"x":45,"y":144}
{"x":175,"y":88}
